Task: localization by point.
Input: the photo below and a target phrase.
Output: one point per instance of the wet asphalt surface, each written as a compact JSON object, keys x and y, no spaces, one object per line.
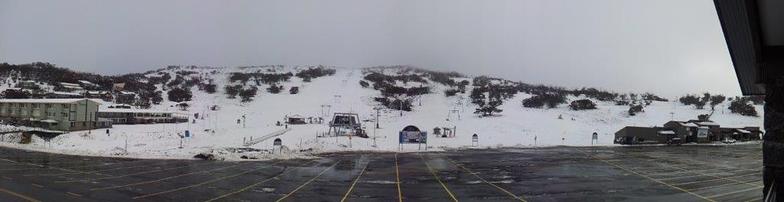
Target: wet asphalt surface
{"x":682,"y":173}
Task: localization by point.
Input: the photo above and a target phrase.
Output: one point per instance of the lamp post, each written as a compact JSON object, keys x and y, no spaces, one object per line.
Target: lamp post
{"x":378,"y":110}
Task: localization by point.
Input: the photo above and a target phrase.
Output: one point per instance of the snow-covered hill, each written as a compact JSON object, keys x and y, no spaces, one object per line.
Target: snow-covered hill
{"x":342,"y":92}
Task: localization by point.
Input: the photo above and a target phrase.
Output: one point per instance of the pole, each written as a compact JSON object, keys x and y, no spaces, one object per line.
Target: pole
{"x":401,"y":107}
{"x":377,"y":111}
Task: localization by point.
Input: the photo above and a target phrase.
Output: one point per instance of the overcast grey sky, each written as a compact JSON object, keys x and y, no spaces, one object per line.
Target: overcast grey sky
{"x":669,"y":47}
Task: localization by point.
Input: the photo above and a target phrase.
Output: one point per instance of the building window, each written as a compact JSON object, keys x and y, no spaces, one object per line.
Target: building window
{"x":73,"y":124}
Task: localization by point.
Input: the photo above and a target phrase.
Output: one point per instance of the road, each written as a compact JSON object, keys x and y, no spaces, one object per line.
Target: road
{"x":649,"y":173}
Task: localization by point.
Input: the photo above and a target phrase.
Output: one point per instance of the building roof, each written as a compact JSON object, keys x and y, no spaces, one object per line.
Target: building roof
{"x":86,"y":82}
{"x":707,"y":123}
{"x":122,"y":110}
{"x":742,"y":41}
{"x":296,"y":116}
{"x":96,"y":92}
{"x":55,"y":101}
{"x":685,"y":124}
{"x":688,"y":124}
{"x":743,"y":131}
{"x":666,"y":132}
{"x":70,"y":85}
{"x":66,"y":93}
{"x":48,"y":121}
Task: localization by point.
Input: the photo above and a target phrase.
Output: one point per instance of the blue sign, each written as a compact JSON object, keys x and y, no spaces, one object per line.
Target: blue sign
{"x":187,"y":133}
{"x":412,"y":137}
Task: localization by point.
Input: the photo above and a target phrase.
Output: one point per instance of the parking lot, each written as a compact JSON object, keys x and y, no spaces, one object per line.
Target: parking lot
{"x":651,"y":173}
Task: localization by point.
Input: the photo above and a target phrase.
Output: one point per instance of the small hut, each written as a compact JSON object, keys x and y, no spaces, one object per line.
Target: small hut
{"x":295,"y":119}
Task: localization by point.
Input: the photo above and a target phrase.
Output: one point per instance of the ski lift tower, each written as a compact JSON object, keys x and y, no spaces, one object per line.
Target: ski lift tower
{"x":343,"y":123}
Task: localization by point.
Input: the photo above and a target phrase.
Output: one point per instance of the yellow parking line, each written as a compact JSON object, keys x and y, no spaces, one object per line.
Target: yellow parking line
{"x":679,"y":177}
{"x":734,"y":192}
{"x":22,"y":196}
{"x":354,"y":183}
{"x":754,"y":199}
{"x":703,"y":174}
{"x":438,"y":179}
{"x":719,"y":177}
{"x":121,"y":176}
{"x":51,"y":167}
{"x":397,"y":177}
{"x":7,"y":160}
{"x":203,"y":183}
{"x":715,"y":179}
{"x":306,"y":183}
{"x":162,"y":179}
{"x":86,"y":172}
{"x":483,"y":179}
{"x":73,"y":194}
{"x":719,"y":185}
{"x":252,"y":185}
{"x":647,"y":177}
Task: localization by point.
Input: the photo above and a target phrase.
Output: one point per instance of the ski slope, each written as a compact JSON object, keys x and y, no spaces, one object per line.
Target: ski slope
{"x":514,"y":127}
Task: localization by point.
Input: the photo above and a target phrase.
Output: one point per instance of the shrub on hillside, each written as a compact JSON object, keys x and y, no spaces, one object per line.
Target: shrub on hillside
{"x":176,"y":82}
{"x":444,"y":78}
{"x":210,"y":88}
{"x":364,"y":83}
{"x":595,"y":94}
{"x":451,"y":92}
{"x":394,"y":103}
{"x":583,"y":104}
{"x":274,"y":89}
{"x":488,"y":108}
{"x":128,"y":99}
{"x":376,"y":77}
{"x":689,"y":99}
{"x":232,"y":90}
{"x":652,"y":97}
{"x":180,"y":95}
{"x":157,"y":97}
{"x":634,"y":109}
{"x":16,"y":94}
{"x":241,"y":77}
{"x":271,"y":78}
{"x":247,"y":95}
{"x":539,"y":101}
{"x":716,"y":99}
{"x":742,"y":107}
{"x":312,"y":73}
